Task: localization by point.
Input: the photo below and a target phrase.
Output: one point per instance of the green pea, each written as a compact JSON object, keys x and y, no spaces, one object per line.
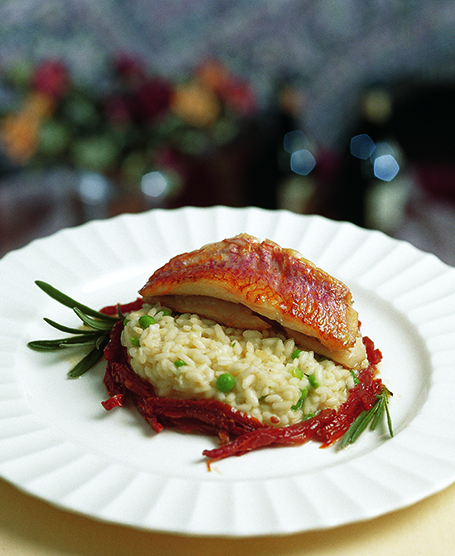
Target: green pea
{"x":179,"y":363}
{"x":146,"y":320}
{"x":313,"y":382}
{"x":225,"y":382}
{"x":134,"y":341}
{"x":297,"y":373}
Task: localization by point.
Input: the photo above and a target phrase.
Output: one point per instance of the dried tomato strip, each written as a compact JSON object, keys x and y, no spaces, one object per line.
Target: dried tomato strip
{"x":113,"y":401}
{"x":207,"y":416}
{"x":125,"y":308}
{"x":361,"y":398}
{"x":119,"y":378}
{"x":299,"y":433}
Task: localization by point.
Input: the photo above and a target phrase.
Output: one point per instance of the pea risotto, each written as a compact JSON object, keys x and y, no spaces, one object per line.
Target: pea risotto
{"x":260,"y":373}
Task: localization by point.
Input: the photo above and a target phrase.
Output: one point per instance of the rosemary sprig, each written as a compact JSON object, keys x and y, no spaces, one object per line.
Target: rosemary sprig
{"x":370,"y":417}
{"x":95,"y":335}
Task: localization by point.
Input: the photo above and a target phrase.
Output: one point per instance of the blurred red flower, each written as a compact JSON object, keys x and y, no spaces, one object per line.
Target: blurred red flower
{"x":152,"y":99}
{"x":51,"y":78}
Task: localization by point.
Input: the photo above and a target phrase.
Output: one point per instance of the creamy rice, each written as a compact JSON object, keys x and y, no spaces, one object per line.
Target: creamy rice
{"x":183,"y":355}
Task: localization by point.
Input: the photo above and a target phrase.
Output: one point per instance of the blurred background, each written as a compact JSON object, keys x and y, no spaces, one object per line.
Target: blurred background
{"x":343,"y":108}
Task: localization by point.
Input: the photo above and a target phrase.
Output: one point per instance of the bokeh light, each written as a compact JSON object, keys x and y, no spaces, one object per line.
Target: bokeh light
{"x":302,"y":162}
{"x":362,"y":146}
{"x":385,"y":167}
{"x":384,"y":160}
{"x":154,"y":184}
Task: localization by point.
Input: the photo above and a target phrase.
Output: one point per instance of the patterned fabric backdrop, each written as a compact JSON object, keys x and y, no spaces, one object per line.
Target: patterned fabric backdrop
{"x":333,"y":48}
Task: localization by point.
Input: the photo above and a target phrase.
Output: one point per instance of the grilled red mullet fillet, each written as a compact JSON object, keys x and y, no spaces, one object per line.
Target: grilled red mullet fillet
{"x":245,"y":283}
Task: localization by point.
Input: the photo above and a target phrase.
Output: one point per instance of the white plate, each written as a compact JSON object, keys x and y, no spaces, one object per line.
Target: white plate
{"x":58,"y":443}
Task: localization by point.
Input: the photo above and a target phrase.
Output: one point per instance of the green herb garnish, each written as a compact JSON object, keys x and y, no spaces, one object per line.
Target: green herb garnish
{"x":354,"y":376}
{"x":303,"y":395}
{"x":95,"y":335}
{"x":166,"y":312}
{"x":370,"y":417}
{"x":308,"y":416}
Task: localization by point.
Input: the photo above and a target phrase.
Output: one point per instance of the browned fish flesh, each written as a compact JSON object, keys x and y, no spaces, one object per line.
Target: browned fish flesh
{"x":245,"y":283}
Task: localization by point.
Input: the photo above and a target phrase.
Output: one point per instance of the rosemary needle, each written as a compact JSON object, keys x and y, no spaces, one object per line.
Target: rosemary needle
{"x":71,"y":303}
{"x":86,"y":363}
{"x":64,"y":328}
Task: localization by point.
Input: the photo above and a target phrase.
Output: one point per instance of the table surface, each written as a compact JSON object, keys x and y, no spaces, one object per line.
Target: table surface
{"x":29,"y":526}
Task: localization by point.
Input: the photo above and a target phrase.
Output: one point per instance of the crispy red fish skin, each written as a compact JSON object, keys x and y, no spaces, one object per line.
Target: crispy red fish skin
{"x":274,"y":282}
